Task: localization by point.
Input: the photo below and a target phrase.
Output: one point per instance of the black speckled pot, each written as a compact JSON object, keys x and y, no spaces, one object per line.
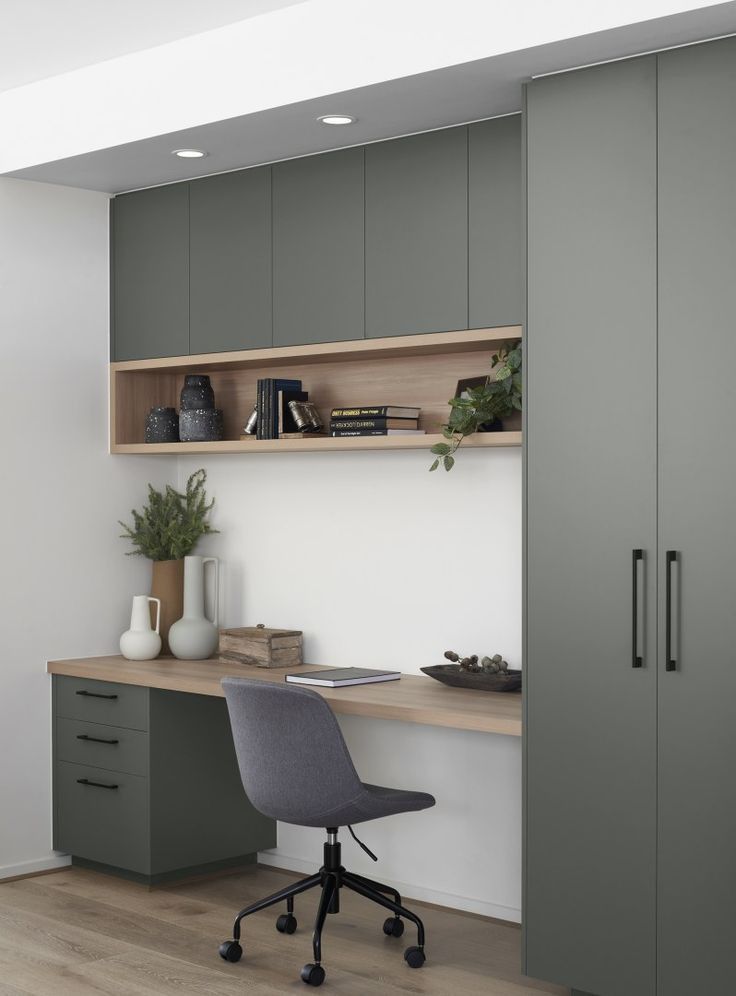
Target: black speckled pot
{"x":200,"y":425}
{"x":197,"y":393}
{"x":162,"y":426}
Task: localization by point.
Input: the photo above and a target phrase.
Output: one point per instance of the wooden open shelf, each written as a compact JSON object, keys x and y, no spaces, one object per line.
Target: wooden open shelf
{"x":419,"y":370}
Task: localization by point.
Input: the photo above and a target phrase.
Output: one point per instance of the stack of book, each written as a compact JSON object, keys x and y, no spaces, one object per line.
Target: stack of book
{"x":272,"y":406}
{"x":375,"y":420}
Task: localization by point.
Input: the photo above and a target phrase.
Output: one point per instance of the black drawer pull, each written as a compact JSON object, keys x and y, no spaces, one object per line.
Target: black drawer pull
{"x":96,"y":695}
{"x":95,"y":740}
{"x":99,"y":785}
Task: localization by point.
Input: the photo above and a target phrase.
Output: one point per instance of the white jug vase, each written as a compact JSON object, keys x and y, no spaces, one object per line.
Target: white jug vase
{"x":140,"y":642}
{"x":195,"y":637}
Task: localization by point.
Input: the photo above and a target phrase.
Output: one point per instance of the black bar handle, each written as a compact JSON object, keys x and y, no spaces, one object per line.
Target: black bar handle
{"x":670,"y":662}
{"x":95,"y":740}
{"x":636,"y":659}
{"x":95,"y":695}
{"x":99,"y":785}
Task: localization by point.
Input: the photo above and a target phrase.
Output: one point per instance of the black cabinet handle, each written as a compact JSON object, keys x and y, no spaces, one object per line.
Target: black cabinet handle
{"x":636,"y":659}
{"x":670,"y":662}
{"x":95,"y":740}
{"x":99,"y":785}
{"x":96,"y":695}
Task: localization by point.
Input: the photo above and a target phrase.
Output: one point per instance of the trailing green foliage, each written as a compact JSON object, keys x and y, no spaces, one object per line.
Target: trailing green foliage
{"x":498,"y":398}
{"x":169,"y":526}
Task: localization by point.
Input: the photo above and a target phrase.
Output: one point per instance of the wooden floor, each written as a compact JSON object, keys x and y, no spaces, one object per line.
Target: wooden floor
{"x":76,"y":932}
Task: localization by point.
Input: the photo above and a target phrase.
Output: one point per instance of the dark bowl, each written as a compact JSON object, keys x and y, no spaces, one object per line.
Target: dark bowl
{"x":451,"y":674}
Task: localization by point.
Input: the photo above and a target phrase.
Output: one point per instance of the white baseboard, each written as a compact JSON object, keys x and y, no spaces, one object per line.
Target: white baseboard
{"x":33,"y":867}
{"x":465,"y":903}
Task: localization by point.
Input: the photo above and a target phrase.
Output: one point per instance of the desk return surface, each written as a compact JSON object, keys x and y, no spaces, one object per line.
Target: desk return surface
{"x":413,"y":699}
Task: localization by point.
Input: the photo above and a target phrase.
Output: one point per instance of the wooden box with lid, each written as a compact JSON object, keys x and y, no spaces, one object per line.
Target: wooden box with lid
{"x":260,"y":646}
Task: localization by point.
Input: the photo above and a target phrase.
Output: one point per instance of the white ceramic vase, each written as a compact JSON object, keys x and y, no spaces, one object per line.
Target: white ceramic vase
{"x":195,"y":637}
{"x":141,"y":642}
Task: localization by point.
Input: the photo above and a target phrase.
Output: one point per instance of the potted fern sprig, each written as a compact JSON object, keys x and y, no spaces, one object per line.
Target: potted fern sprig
{"x":166,"y":530}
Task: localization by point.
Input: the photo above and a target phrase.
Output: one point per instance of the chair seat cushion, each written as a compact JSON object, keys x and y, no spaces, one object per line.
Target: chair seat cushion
{"x":372,"y":803}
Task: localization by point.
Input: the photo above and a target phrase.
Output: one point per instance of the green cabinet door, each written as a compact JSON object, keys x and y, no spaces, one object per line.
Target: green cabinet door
{"x":697,"y":358}
{"x":230,"y":261}
{"x":318,"y":249}
{"x":495,"y":261}
{"x":591,"y":499}
{"x":416,"y":234}
{"x":150,"y":273}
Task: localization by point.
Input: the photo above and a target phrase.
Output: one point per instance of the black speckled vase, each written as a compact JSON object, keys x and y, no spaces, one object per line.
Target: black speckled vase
{"x":162,"y":426}
{"x":197,"y":393}
{"x":200,"y":425}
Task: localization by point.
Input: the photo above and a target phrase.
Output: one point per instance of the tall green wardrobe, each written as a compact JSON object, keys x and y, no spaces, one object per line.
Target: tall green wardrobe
{"x":630,"y":526}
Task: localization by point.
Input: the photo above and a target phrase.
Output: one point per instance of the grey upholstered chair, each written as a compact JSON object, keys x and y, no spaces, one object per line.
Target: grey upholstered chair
{"x":296,"y":768}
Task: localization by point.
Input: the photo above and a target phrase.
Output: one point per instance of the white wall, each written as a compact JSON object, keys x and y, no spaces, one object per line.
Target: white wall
{"x":382,"y":564}
{"x":65,"y":583}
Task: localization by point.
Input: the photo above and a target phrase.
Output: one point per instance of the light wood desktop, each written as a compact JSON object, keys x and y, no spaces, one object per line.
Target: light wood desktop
{"x":413,"y":699}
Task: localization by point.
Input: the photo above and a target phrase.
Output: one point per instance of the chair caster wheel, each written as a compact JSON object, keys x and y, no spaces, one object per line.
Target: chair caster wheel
{"x":313,"y":975}
{"x":231,"y":951}
{"x":286,"y":923}
{"x":393,"y":927}
{"x":414,"y":957}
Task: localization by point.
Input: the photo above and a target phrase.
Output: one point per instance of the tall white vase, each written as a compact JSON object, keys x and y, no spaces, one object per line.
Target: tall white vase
{"x":141,"y":642}
{"x":195,"y":637}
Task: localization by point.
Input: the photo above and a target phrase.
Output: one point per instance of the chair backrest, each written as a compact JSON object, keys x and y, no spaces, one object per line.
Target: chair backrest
{"x":293,"y":759}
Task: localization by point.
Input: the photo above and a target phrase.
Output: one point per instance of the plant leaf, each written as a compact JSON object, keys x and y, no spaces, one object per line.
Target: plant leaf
{"x":449,"y":462}
{"x":435,"y":465}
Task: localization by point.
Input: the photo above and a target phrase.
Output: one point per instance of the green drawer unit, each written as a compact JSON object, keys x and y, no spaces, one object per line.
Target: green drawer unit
{"x":102,"y":702}
{"x":146,"y":782}
{"x":102,"y":815}
{"x":110,"y":747}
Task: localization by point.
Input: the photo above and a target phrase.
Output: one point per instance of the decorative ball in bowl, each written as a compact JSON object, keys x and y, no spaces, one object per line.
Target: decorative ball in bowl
{"x":490,"y":674}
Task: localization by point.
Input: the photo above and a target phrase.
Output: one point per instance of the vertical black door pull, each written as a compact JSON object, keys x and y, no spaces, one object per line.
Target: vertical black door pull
{"x":636,"y":659}
{"x":670,"y":662}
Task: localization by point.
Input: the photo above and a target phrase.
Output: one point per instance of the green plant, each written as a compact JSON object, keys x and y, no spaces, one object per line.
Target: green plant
{"x":169,"y":525}
{"x":496,"y":399}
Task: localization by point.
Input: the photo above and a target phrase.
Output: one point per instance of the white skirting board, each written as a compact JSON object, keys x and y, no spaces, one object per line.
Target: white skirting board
{"x":408,"y":891}
{"x":34,"y":867}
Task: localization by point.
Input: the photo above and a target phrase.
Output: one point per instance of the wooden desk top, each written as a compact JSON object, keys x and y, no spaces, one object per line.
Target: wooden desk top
{"x":413,"y":699}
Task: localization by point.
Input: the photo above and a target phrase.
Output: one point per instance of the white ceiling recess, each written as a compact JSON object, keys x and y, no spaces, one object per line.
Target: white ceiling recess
{"x":251,"y":92}
{"x":42,"y":38}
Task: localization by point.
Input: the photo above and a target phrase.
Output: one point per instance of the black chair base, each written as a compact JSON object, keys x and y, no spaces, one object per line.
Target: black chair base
{"x":331,"y":878}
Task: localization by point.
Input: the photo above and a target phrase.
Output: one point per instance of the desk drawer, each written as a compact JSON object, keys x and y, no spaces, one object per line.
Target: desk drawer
{"x":106,"y":821}
{"x":102,"y":702}
{"x":110,"y":747}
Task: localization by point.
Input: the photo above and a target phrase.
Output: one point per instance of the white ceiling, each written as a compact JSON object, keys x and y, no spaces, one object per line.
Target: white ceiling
{"x":259,"y":86}
{"x":42,"y":38}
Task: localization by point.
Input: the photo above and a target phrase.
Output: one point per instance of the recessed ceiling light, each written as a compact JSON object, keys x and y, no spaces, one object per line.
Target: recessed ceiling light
{"x":189,"y":153}
{"x":337,"y":119}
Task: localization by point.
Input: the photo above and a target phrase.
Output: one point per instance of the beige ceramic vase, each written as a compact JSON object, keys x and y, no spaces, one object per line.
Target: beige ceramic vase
{"x":167,"y":584}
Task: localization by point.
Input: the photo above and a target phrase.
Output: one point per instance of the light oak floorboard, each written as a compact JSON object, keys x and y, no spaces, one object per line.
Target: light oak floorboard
{"x":81,"y":933}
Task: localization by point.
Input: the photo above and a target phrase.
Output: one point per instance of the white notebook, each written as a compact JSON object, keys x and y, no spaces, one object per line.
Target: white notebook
{"x":337,"y":677}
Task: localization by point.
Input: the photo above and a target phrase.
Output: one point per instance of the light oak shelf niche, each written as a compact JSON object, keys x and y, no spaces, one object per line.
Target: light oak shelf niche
{"x":420,"y":370}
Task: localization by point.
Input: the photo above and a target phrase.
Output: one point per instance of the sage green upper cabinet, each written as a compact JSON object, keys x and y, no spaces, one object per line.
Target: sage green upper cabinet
{"x":150,"y":259}
{"x":416,"y":234}
{"x":318,"y":249}
{"x":230,"y":261}
{"x":495,"y":260}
